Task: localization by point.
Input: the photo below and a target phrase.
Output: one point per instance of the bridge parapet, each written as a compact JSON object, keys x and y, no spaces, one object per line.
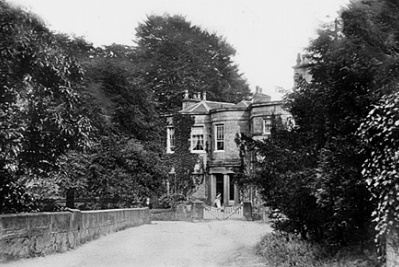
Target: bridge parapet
{"x":38,"y":234}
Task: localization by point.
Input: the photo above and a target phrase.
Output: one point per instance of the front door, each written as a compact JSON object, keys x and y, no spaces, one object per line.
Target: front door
{"x":220,"y":186}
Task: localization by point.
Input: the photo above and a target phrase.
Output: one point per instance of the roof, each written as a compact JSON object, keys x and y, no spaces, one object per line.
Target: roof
{"x":205,"y":106}
{"x":244,"y":103}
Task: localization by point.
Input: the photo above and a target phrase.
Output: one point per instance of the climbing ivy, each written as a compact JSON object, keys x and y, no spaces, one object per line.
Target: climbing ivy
{"x":182,"y":160}
{"x":380,"y":132}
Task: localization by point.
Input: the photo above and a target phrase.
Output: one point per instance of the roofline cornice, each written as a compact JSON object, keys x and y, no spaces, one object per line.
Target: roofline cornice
{"x":228,"y":109}
{"x":270,"y":103}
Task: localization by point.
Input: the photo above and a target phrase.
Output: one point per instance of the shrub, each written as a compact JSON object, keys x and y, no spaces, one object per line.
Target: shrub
{"x":281,"y":249}
{"x":171,"y":201}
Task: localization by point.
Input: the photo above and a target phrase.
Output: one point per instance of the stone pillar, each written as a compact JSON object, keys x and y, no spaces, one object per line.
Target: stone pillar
{"x":198,"y":210}
{"x":212,"y":188}
{"x":226,"y":189}
{"x":236,"y":195}
{"x":248,"y":211}
{"x":75,"y":227}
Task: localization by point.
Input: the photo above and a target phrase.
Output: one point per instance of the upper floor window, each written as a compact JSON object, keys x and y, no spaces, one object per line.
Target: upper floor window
{"x":219,"y":137}
{"x":267,"y":126}
{"x":171,"y":141}
{"x":197,"y":139}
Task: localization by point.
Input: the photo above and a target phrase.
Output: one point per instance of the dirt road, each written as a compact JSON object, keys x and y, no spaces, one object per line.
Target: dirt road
{"x":210,"y":243}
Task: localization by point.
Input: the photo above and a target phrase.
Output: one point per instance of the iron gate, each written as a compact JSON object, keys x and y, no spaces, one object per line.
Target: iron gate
{"x":233,"y":212}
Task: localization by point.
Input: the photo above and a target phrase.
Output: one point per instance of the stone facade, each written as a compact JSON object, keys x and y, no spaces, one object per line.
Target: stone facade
{"x":217,"y":125}
{"x":39,"y":234}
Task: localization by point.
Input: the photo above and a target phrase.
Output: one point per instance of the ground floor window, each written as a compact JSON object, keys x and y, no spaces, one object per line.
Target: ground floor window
{"x":170,"y":145}
{"x":197,"y":139}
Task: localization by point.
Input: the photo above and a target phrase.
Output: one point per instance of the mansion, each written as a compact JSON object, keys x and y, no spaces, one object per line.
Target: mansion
{"x":213,"y":138}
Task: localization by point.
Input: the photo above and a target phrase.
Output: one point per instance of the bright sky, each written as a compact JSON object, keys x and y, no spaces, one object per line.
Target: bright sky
{"x":267,"y":34}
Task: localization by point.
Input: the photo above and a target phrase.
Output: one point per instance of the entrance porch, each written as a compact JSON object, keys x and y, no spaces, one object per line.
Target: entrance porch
{"x":220,"y":181}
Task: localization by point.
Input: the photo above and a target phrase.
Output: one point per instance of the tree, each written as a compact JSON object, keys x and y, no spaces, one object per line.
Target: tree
{"x":353,"y":64}
{"x":123,"y":173}
{"x":175,"y":56}
{"x":377,"y":34}
{"x":112,"y":84}
{"x":285,"y":173}
{"x":380,"y":131}
{"x":39,"y":102}
{"x":124,"y":165}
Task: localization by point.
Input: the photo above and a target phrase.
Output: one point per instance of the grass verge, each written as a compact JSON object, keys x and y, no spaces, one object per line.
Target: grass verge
{"x":280,"y":249}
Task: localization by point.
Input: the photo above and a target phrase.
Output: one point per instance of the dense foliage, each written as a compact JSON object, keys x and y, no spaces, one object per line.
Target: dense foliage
{"x":124,"y":165}
{"x":380,"y":131}
{"x":380,"y":33}
{"x":313,"y":174}
{"x":40,"y":116}
{"x":284,"y":169}
{"x":175,"y":56}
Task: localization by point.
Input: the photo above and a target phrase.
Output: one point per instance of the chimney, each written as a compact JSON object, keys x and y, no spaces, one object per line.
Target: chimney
{"x":204,"y":95}
{"x":298,"y":59}
{"x":187,"y":101}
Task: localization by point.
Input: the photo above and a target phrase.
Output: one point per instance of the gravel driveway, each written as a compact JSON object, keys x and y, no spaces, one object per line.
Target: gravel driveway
{"x":203,"y":243}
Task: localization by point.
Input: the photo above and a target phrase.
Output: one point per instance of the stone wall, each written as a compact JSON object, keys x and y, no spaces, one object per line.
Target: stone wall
{"x":38,"y":234}
{"x":182,"y":212}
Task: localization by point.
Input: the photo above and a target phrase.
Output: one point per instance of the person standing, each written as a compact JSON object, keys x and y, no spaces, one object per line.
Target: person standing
{"x":217,"y":201}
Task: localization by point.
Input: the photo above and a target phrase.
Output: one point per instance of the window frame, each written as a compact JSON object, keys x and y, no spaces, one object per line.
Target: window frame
{"x":219,"y":140}
{"x":170,"y":132}
{"x":197,"y":130}
{"x":267,"y":125}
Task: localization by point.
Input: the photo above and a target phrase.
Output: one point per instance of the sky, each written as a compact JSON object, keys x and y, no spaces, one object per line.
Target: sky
{"x":267,"y":34}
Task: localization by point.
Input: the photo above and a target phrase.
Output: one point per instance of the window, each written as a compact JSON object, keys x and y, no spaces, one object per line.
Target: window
{"x":267,"y":126}
{"x":219,"y":137}
{"x":290,"y":123}
{"x":197,"y":139}
{"x":170,"y":145}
